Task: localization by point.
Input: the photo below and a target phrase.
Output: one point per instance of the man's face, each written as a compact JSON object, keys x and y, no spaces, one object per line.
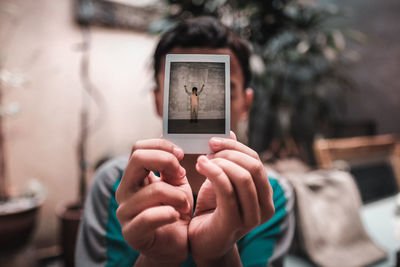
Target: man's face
{"x":240,"y":98}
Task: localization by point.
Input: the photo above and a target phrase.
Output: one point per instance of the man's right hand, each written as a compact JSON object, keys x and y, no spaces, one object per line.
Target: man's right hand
{"x":154,"y":212}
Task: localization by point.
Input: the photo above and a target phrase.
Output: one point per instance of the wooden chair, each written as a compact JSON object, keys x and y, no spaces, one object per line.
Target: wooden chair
{"x":374,"y":161}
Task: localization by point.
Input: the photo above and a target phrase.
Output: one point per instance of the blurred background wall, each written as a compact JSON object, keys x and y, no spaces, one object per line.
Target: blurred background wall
{"x":42,"y":137}
{"x":378,"y":68}
{"x":43,"y":42}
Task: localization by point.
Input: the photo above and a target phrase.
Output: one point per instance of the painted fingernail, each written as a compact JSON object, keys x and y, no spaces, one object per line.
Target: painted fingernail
{"x":178,"y":152}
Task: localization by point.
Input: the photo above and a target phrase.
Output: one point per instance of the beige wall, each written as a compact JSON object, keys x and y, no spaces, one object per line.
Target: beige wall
{"x":42,"y":137}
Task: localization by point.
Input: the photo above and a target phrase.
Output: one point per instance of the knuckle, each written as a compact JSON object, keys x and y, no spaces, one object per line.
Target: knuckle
{"x":230,"y":195}
{"x":257,"y":168}
{"x":170,"y":162}
{"x":126,"y":233}
{"x":135,"y":154}
{"x":164,"y":145}
{"x":135,"y":146}
{"x":246,"y":179}
{"x":167,"y":159}
{"x":254,"y":154}
{"x":219,"y":161}
{"x":225,"y":153}
{"x":268,"y":213}
{"x":180,"y":196}
{"x":160,"y":143}
{"x":118,"y":195}
{"x":155,"y":189}
{"x":258,"y":219}
{"x":170,"y":213}
{"x":251,"y":223}
{"x":119,"y":214}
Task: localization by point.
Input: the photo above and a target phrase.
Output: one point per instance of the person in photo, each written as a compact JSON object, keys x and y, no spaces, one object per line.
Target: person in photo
{"x":194,"y":102}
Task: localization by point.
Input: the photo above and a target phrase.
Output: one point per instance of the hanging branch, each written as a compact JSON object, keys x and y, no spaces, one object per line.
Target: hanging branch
{"x":89,"y":91}
{"x":3,"y":191}
{"x":84,"y":115}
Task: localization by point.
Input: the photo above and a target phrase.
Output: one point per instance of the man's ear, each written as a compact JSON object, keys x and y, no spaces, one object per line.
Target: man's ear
{"x":248,"y":100}
{"x":158,"y":101}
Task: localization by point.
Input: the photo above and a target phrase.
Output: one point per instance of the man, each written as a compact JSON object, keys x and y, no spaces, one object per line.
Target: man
{"x":194,"y":102}
{"x":162,"y":207}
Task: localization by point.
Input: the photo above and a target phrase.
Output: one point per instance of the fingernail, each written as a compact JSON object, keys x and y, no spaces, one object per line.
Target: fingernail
{"x":182,"y":171}
{"x":233,"y":136}
{"x":178,"y":152}
{"x":187,"y":207}
{"x":183,"y":206}
{"x":203,"y":160}
{"x":216,"y":142}
{"x":210,"y":155}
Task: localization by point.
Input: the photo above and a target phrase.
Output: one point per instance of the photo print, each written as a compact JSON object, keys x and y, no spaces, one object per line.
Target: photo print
{"x":197,"y":96}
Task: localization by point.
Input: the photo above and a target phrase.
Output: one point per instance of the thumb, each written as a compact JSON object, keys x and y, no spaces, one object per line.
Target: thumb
{"x":233,"y":136}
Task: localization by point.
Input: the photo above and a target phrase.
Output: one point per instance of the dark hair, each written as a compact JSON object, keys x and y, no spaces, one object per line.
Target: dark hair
{"x":204,"y":32}
{"x":194,"y":88}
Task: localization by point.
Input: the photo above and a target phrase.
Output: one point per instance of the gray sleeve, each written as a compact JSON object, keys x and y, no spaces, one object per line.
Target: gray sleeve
{"x":91,"y":243}
{"x":287,"y":226}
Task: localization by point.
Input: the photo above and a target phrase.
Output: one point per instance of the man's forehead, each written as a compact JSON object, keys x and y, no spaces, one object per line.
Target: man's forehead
{"x":207,"y":50}
{"x":200,"y":50}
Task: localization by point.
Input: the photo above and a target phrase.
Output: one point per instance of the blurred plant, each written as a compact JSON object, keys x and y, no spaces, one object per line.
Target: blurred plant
{"x":298,"y":52}
{"x":9,"y":79}
{"x":33,"y":193}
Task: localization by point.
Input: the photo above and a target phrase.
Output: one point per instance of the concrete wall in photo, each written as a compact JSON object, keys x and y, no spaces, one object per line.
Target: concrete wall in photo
{"x":194,"y":74}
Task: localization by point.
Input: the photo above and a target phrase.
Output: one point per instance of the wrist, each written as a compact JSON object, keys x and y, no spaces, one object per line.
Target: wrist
{"x":150,"y":262}
{"x":230,"y":258}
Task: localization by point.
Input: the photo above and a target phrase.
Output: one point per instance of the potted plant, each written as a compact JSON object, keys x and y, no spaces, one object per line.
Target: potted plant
{"x":18,"y":208}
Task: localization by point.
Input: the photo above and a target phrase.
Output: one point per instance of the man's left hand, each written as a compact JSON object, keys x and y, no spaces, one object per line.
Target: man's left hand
{"x":235,"y":198}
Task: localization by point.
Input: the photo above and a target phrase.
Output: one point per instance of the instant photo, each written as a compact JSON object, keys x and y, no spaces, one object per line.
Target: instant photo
{"x":196,"y":99}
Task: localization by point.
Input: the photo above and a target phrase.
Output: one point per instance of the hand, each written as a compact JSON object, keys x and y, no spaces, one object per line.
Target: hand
{"x":154,"y":212}
{"x":235,"y":198}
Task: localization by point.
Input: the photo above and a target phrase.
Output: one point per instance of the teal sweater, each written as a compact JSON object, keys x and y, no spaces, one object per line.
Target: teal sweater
{"x":100,"y":241}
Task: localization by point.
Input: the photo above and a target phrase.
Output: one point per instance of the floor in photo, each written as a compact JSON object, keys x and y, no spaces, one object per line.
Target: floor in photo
{"x":199,"y":127}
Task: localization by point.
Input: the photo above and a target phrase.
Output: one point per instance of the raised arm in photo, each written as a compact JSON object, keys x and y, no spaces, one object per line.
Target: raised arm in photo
{"x":186,"y":90}
{"x":201,"y":89}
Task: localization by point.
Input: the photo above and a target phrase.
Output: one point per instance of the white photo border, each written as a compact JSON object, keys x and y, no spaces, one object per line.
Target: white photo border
{"x":196,"y":143}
